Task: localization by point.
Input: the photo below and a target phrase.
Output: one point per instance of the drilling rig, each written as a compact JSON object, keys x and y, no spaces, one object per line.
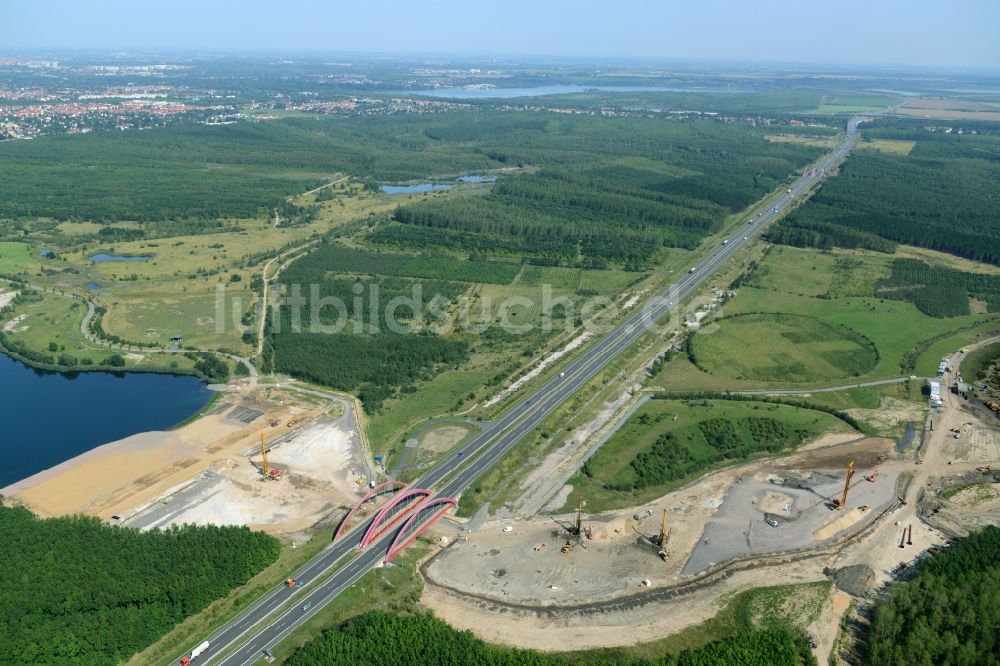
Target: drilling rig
{"x":662,"y":541}
{"x":577,"y":530}
{"x":841,"y":502}
{"x":266,"y":470}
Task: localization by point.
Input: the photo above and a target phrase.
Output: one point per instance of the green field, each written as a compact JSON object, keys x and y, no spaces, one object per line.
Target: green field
{"x":153,"y":317}
{"x":667,"y":443}
{"x":782,"y":347}
{"x":975,"y":364}
{"x":833,"y":274}
{"x":811,"y":289}
{"x":16,"y":257}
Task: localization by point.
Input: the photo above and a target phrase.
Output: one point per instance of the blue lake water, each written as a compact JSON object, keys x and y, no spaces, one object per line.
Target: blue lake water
{"x":414,"y":189}
{"x":477,"y":179}
{"x":93,"y":286}
{"x":49,"y":417}
{"x":538,"y":91}
{"x":102,"y":256}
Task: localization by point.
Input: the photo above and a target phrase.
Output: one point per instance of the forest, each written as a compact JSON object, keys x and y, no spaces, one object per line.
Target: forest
{"x":676,"y":455}
{"x":939,"y":291}
{"x":74,"y":590}
{"x":357,"y":348}
{"x":947,"y":614}
{"x":331,"y":258}
{"x":378,"y":639}
{"x":662,"y":181}
{"x":941,"y":196}
{"x":603,"y":191}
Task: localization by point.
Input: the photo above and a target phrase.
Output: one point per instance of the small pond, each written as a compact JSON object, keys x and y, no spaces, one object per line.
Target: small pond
{"x":101,"y":257}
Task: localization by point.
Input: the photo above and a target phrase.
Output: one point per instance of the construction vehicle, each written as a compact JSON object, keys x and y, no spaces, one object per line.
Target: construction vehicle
{"x":578,"y":528}
{"x":841,"y":502}
{"x":291,"y":582}
{"x":266,"y":470}
{"x":873,"y":476}
{"x":662,"y":541}
{"x":864,"y":507}
{"x":567,"y":547}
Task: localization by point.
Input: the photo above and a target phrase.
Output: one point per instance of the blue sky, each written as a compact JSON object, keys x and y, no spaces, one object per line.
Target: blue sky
{"x":960,"y":33}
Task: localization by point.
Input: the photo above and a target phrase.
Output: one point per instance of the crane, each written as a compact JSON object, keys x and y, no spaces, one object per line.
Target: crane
{"x":841,"y":502}
{"x":662,"y":541}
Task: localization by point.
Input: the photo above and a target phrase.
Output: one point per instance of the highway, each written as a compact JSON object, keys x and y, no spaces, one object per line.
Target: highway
{"x":458,"y":470}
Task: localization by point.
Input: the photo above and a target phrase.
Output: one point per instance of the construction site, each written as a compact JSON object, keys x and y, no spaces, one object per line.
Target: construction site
{"x":270,"y":458}
{"x":856,"y":511}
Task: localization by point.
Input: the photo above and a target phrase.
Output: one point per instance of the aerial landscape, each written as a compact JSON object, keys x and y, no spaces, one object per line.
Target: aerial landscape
{"x":550,"y":333}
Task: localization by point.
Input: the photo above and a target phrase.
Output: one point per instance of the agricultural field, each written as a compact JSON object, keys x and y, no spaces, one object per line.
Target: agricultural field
{"x":892,"y":146}
{"x":667,"y":443}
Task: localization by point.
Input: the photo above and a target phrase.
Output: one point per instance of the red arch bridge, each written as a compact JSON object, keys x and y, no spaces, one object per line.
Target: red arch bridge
{"x":414,"y":509}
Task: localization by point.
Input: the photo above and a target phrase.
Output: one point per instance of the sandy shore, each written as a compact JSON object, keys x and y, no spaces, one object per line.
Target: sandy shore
{"x":109,"y":479}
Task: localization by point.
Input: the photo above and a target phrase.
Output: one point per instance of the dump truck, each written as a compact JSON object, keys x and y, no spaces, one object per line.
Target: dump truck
{"x":291,"y":582}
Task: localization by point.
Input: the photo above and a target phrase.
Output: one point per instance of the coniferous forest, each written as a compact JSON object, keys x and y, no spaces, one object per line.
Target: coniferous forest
{"x":74,"y":590}
{"x":948,"y":613}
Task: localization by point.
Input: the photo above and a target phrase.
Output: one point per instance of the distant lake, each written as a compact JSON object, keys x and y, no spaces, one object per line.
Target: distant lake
{"x":414,"y":189}
{"x":48,"y":417}
{"x":538,"y":91}
{"x":102,"y":257}
{"x":477,"y":179}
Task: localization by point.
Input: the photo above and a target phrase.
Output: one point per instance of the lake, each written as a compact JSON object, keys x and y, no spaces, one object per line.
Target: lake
{"x":48,"y":417}
{"x":414,"y":189}
{"x":538,"y":91}
{"x":102,"y":256}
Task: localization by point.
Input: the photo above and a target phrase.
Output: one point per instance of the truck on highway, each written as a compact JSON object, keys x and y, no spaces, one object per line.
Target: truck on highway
{"x":185,"y":660}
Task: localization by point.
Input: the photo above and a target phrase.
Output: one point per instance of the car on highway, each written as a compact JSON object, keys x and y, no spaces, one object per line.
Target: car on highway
{"x":691,"y":271}
{"x":774,"y":210}
{"x":306,"y":606}
{"x":725,"y":242}
{"x":561,"y":375}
